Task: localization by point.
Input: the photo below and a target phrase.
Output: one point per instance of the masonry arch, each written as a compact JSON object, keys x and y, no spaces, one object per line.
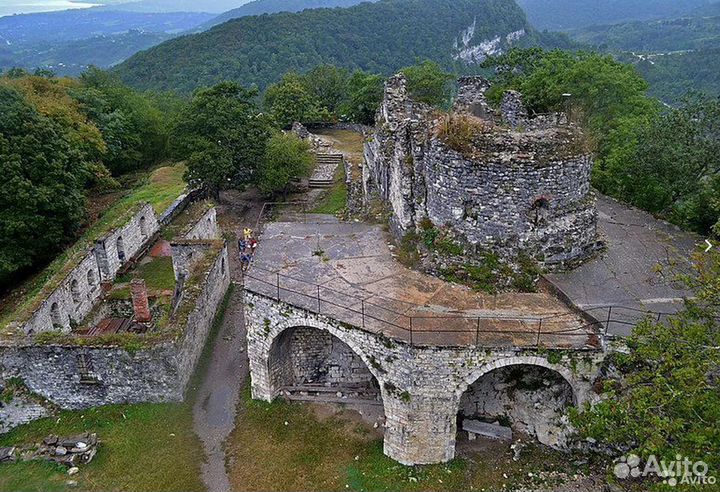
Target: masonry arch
{"x":75,"y":291}
{"x":311,"y":362}
{"x":120,"y":246}
{"x":143,"y":226}
{"x":55,"y":316}
{"x":529,"y":395}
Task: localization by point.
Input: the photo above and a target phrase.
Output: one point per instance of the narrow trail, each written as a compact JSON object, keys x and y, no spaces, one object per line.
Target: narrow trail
{"x":215,"y":407}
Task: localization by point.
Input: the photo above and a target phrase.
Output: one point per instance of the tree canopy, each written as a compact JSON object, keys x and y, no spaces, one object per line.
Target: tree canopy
{"x":222,"y":134}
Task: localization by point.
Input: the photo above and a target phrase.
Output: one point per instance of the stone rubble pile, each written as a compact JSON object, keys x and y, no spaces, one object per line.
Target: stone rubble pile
{"x":68,"y":451}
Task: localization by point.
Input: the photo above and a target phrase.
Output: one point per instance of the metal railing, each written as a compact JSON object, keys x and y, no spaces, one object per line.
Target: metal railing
{"x":379,"y":314}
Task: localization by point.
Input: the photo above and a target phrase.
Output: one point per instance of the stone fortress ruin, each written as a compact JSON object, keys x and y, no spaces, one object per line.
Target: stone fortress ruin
{"x":495,"y":180}
{"x":97,"y":334}
{"x":333,"y":317}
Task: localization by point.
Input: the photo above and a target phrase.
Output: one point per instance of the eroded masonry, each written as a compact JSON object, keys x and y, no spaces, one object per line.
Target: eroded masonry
{"x":497,"y":180}
{"x":126,"y":320}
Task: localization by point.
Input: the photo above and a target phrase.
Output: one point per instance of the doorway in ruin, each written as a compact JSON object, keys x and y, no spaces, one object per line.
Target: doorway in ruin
{"x":309,"y":364}
{"x":517,"y":401}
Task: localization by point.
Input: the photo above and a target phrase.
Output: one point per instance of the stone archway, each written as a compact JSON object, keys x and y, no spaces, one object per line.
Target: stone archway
{"x":529,"y":398}
{"x":305,"y":362}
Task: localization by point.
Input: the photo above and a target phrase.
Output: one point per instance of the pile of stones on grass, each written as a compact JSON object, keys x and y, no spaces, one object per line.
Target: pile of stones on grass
{"x":67,"y":451}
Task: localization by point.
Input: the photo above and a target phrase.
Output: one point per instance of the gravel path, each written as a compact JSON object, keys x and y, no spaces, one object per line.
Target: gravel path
{"x":218,"y":396}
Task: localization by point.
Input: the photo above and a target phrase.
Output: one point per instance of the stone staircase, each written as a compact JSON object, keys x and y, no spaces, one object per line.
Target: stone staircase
{"x":325,"y":166}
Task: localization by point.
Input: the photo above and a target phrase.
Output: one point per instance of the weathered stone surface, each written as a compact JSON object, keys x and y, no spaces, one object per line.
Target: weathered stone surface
{"x":76,"y":377}
{"x":421,"y":387}
{"x":80,"y":291}
{"x":520,"y":191}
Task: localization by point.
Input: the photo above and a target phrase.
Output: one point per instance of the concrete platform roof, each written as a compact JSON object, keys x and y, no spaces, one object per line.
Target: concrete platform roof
{"x":347,"y":271}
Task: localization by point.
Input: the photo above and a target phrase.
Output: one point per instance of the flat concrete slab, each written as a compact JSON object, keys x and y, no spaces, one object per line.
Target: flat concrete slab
{"x":626,"y":276}
{"x":347,"y":270}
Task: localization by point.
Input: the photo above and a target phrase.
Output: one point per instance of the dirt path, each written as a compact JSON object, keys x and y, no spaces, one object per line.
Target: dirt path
{"x":218,"y":396}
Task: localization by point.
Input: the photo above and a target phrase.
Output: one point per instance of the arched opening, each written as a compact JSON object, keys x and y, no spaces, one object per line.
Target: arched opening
{"x":143,"y":226}
{"x":528,"y":400}
{"x":313,"y":365}
{"x":55,"y":316}
{"x":120,"y":249}
{"x":91,"y":280}
{"x":75,"y":291}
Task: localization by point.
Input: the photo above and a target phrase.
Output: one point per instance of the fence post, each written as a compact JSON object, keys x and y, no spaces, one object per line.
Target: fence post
{"x":537,"y":343}
{"x":607,"y":323}
{"x":411,"y":331}
{"x":362,"y":310}
{"x":278,"y":285}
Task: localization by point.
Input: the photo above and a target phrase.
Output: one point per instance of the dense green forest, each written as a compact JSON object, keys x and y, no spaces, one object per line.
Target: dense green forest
{"x":671,"y":76}
{"x":674,"y":55}
{"x":61,"y":139}
{"x":568,"y":14}
{"x":380,"y":37}
{"x":259,"y":7}
{"x":685,"y":33}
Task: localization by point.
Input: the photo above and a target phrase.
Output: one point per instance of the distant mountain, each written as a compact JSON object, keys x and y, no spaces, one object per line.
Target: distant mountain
{"x":685,"y":33}
{"x":70,"y":25}
{"x":674,"y":55}
{"x":259,"y":7}
{"x":71,"y":58}
{"x":560,"y":15}
{"x":213,"y":6}
{"x":68,"y":41}
{"x":380,"y":37}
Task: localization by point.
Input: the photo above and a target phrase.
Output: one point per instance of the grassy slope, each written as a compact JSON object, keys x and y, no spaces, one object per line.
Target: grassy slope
{"x":161,"y":188}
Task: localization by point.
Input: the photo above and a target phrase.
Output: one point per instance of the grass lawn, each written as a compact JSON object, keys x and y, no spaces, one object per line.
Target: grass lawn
{"x":161,"y":188}
{"x":157,"y":273}
{"x":286,"y":446}
{"x":147,"y":447}
{"x":333,"y":200}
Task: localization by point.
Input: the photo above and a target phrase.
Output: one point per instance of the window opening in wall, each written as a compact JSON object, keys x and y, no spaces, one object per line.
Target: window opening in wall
{"x":55,"y":315}
{"x":75,"y":291}
{"x":120,"y":249}
{"x":222,"y":266}
{"x":143,"y":226}
{"x":86,"y":369}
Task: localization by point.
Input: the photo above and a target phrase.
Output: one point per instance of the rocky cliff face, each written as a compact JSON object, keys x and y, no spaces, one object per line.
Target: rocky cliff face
{"x":497,"y":181}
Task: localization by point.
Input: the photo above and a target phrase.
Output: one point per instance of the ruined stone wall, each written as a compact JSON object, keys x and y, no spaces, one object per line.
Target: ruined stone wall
{"x":311,"y":356}
{"x":206,"y":227}
{"x":80,"y":291}
{"x":518,"y":190}
{"x":123,"y":244}
{"x":421,"y":387}
{"x":199,"y":322}
{"x":76,"y":377}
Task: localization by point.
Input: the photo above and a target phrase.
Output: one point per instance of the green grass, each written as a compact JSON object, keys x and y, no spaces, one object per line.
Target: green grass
{"x":162,"y":187}
{"x":285,"y":446}
{"x":143,"y":447}
{"x":334,"y":200}
{"x":157,"y":273}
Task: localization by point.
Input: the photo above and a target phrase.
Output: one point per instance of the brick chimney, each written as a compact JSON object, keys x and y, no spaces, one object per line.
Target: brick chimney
{"x":141,"y":305}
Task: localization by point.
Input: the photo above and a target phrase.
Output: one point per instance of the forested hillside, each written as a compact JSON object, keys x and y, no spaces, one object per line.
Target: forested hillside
{"x":259,"y":7}
{"x":67,"y":42}
{"x":379,"y":37}
{"x":560,"y":15}
{"x":674,"y":55}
